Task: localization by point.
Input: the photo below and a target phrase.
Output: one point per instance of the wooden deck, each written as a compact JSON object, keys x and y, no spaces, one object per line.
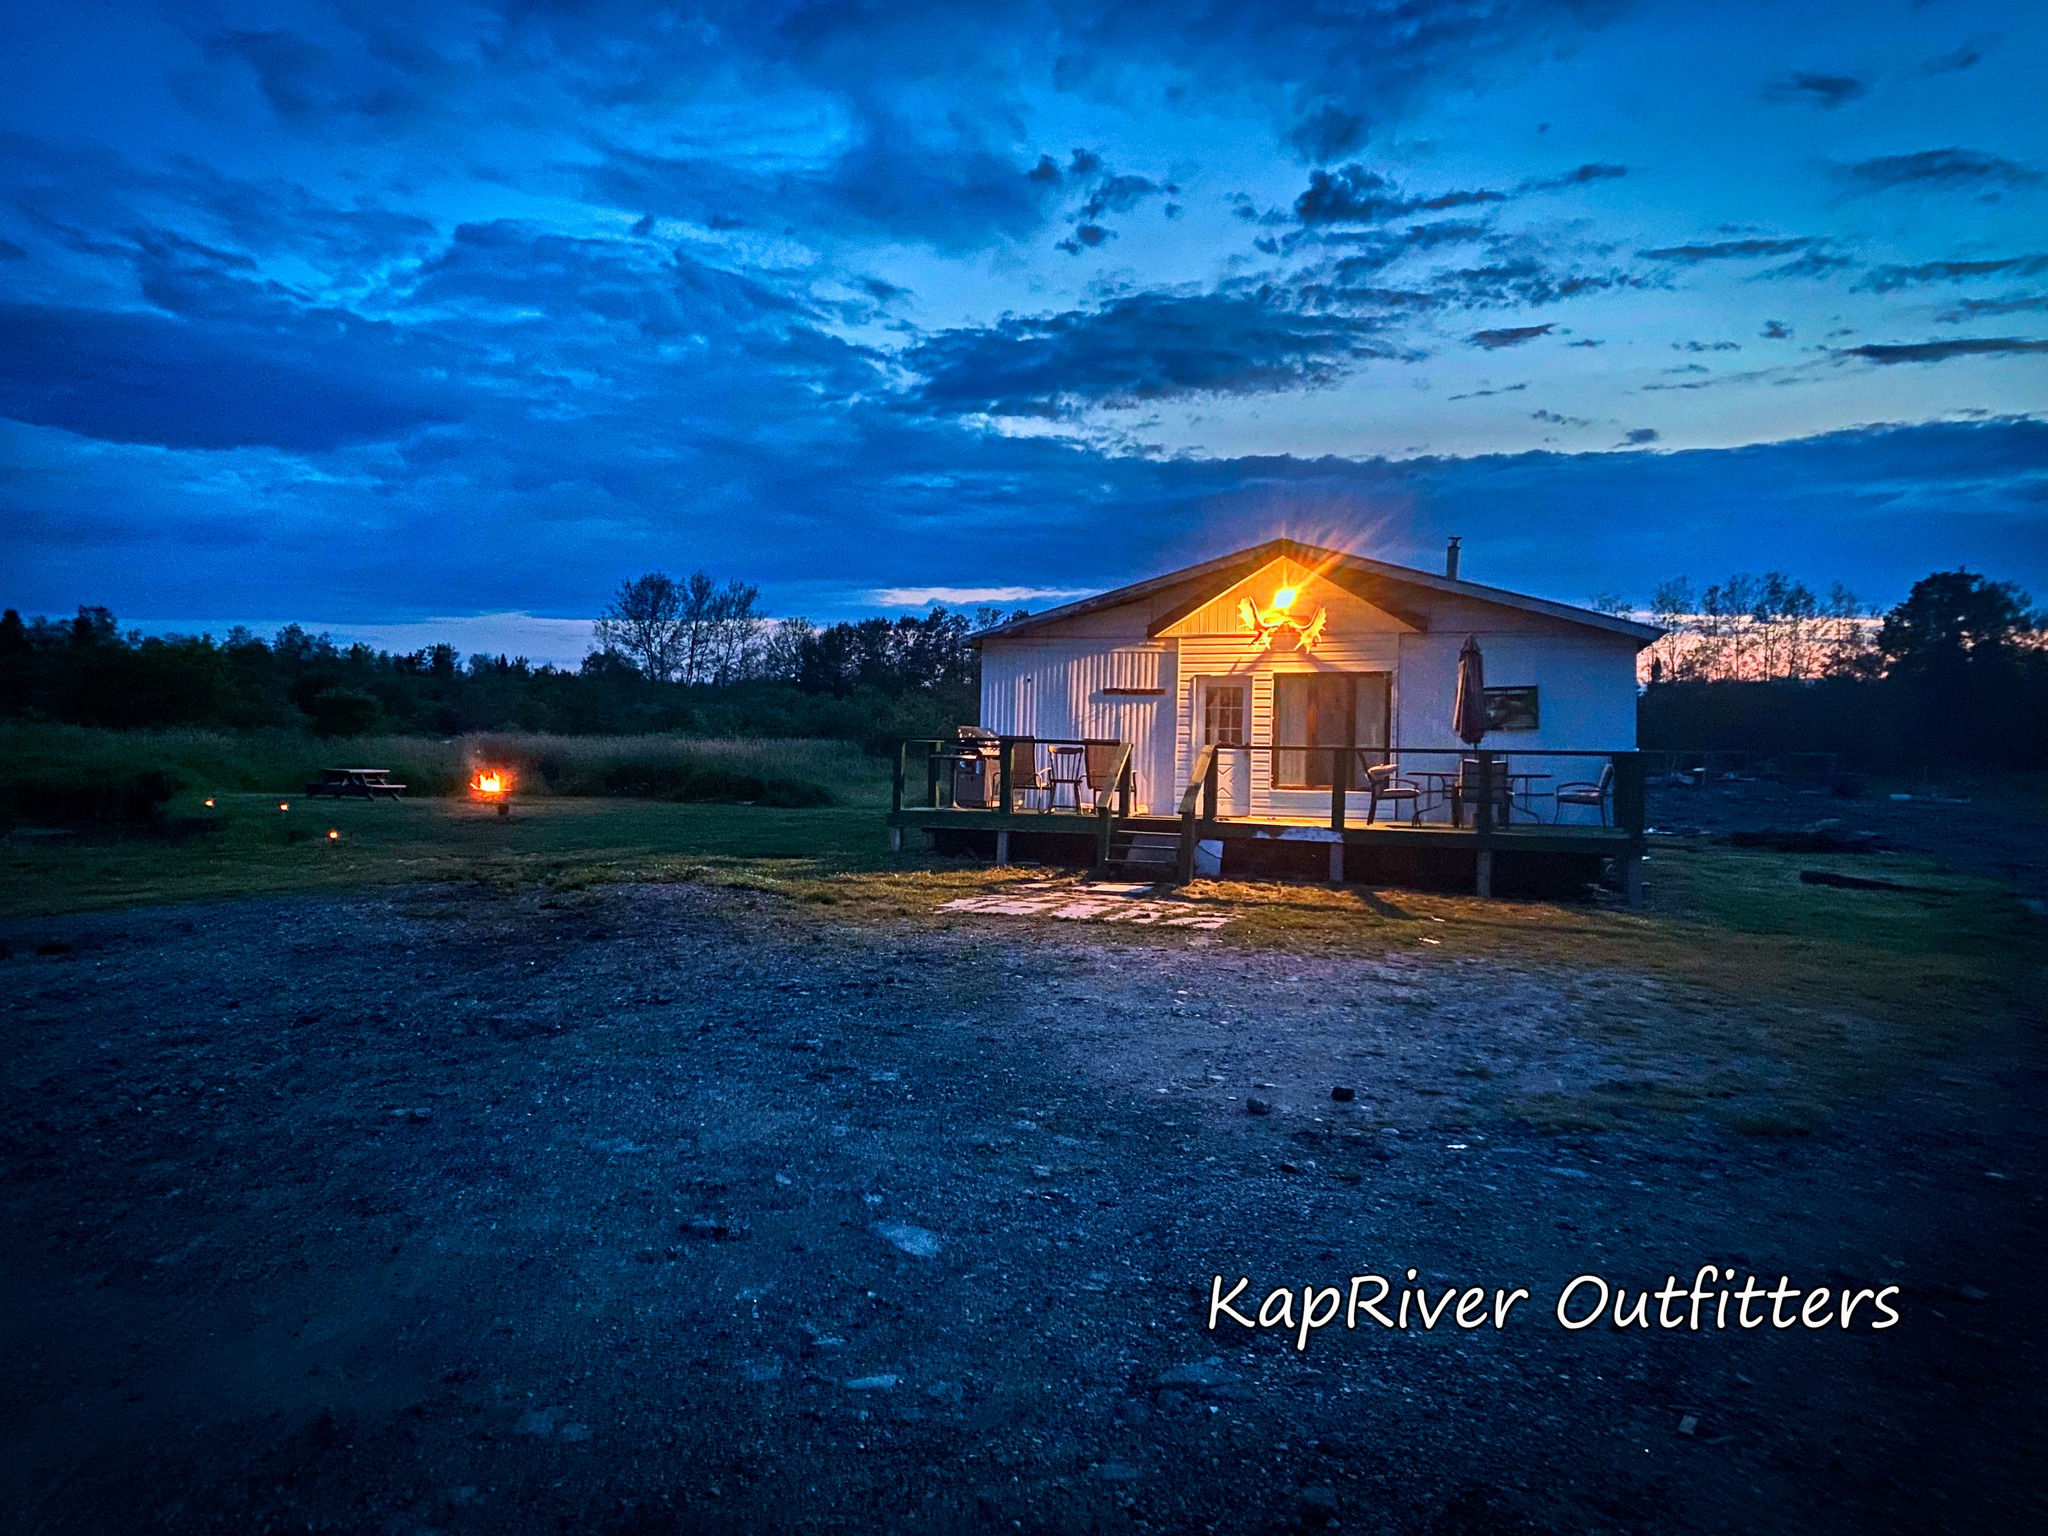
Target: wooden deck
{"x":1113,"y":838}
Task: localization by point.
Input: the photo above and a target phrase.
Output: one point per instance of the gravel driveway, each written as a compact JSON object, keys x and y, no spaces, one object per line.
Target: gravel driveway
{"x":662,"y":1209}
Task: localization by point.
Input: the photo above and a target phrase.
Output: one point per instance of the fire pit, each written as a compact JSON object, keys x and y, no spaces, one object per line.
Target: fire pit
{"x":493,"y":786}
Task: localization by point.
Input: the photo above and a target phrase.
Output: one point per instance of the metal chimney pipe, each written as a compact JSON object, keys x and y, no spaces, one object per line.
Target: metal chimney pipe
{"x":1451,"y":558}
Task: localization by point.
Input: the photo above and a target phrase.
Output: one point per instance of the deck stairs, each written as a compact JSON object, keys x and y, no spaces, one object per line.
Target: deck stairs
{"x":1145,"y":855}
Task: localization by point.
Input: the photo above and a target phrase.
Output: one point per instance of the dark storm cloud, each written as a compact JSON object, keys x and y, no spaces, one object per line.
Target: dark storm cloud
{"x":1814,"y":88}
{"x":1942,"y":351}
{"x":1511,"y":336}
{"x":1145,"y":347}
{"x":1941,"y":170}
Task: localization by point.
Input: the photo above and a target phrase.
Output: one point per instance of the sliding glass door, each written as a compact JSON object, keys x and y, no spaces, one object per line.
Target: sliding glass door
{"x":1328,"y":710}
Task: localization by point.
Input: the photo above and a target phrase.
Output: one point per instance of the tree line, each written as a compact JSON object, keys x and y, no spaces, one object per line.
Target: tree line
{"x":1756,"y":628}
{"x":696,"y":656}
{"x":1958,"y":670}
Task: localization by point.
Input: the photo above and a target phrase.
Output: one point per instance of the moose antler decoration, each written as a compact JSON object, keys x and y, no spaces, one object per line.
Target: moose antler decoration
{"x":1264,"y":625}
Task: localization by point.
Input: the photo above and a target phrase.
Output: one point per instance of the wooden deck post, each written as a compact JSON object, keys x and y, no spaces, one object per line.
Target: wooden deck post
{"x":1002,"y":848}
{"x":1482,"y":875}
{"x":895,"y":839}
{"x":1337,"y":862}
{"x":1632,"y":880}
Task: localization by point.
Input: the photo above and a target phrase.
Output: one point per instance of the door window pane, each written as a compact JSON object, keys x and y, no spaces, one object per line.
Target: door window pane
{"x":1223,"y":715}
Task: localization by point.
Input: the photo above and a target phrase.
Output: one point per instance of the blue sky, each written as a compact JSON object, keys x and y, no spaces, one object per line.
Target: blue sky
{"x":331,"y":313}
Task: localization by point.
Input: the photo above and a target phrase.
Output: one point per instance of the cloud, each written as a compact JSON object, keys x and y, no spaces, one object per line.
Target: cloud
{"x":1151,"y":346}
{"x":1511,"y":336}
{"x":1117,"y":194}
{"x":1888,"y":279}
{"x":954,"y":193}
{"x":1354,"y":195}
{"x":923,"y":597}
{"x":1576,"y":178}
{"x":1481,"y":394}
{"x":1942,"y":351}
{"x":1727,"y":250}
{"x":1939,"y":170}
{"x":1636,"y":436}
{"x":1327,"y":131}
{"x":1815,"y":89}
{"x":139,"y":377}
{"x":1776,"y":330}
{"x":1977,"y":309}
{"x":1965,"y":57}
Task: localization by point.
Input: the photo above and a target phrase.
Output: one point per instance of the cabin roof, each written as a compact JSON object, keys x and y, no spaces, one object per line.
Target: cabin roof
{"x":1212,"y":577}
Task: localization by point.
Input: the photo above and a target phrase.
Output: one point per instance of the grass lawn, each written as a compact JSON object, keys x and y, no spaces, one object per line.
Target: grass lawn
{"x":245,"y":845}
{"x":1739,"y":969}
{"x":1735,"y":921}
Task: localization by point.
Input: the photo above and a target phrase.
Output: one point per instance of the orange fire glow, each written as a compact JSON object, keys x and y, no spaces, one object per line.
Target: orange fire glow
{"x":489,"y":783}
{"x":333,"y":836}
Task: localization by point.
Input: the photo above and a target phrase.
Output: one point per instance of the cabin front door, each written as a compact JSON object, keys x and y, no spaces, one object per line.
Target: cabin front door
{"x":1223,"y":714}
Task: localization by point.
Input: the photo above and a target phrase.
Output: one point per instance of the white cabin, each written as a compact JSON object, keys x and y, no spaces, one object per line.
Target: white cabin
{"x":1290,"y":645}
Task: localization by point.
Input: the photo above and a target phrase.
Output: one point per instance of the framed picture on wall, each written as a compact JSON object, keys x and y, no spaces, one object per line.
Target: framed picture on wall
{"x":1511,"y":709}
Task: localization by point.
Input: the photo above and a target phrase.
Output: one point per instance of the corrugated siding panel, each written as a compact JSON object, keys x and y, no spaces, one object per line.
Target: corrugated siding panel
{"x":1133,"y":669}
{"x":1060,"y":689}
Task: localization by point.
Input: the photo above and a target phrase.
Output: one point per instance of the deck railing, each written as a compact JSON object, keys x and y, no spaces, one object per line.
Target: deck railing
{"x":1109,"y":779}
{"x":1472,"y":766}
{"x":1107,"y":774}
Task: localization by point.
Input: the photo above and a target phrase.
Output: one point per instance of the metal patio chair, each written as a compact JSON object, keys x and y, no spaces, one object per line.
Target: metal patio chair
{"x":1383,"y":782}
{"x":1068,"y":769}
{"x":1595,"y":793}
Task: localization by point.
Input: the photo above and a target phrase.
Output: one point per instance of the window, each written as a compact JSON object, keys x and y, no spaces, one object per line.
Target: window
{"x":1223,"y":715}
{"x":1327,"y":709}
{"x":1511,"y":709}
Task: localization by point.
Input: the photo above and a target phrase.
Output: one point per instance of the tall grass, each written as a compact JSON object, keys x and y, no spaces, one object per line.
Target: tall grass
{"x":77,"y":773}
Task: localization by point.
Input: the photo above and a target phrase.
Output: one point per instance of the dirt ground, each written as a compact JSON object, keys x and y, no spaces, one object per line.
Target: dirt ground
{"x":667,"y":1208}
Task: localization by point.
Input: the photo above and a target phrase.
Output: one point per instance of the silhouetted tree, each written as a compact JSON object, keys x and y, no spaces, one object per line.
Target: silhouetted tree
{"x":647,"y":622}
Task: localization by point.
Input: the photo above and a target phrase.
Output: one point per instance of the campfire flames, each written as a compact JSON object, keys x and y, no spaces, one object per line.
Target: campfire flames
{"x":493,"y":786}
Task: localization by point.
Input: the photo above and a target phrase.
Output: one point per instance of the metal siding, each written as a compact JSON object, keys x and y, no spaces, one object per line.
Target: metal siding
{"x":1587,"y":697}
{"x":1068,"y":679}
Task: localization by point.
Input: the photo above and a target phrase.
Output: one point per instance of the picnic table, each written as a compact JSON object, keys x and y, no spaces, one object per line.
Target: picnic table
{"x":361,"y":783}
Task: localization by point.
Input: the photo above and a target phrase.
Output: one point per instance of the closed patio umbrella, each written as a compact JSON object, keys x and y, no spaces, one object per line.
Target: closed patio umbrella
{"x":1468,"y":718}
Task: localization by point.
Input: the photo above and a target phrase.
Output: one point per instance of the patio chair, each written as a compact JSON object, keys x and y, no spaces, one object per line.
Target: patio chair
{"x":1068,"y":769}
{"x":1472,"y":786}
{"x":1383,"y":782}
{"x":1026,"y":777}
{"x":1102,"y":756}
{"x":1587,"y":792}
